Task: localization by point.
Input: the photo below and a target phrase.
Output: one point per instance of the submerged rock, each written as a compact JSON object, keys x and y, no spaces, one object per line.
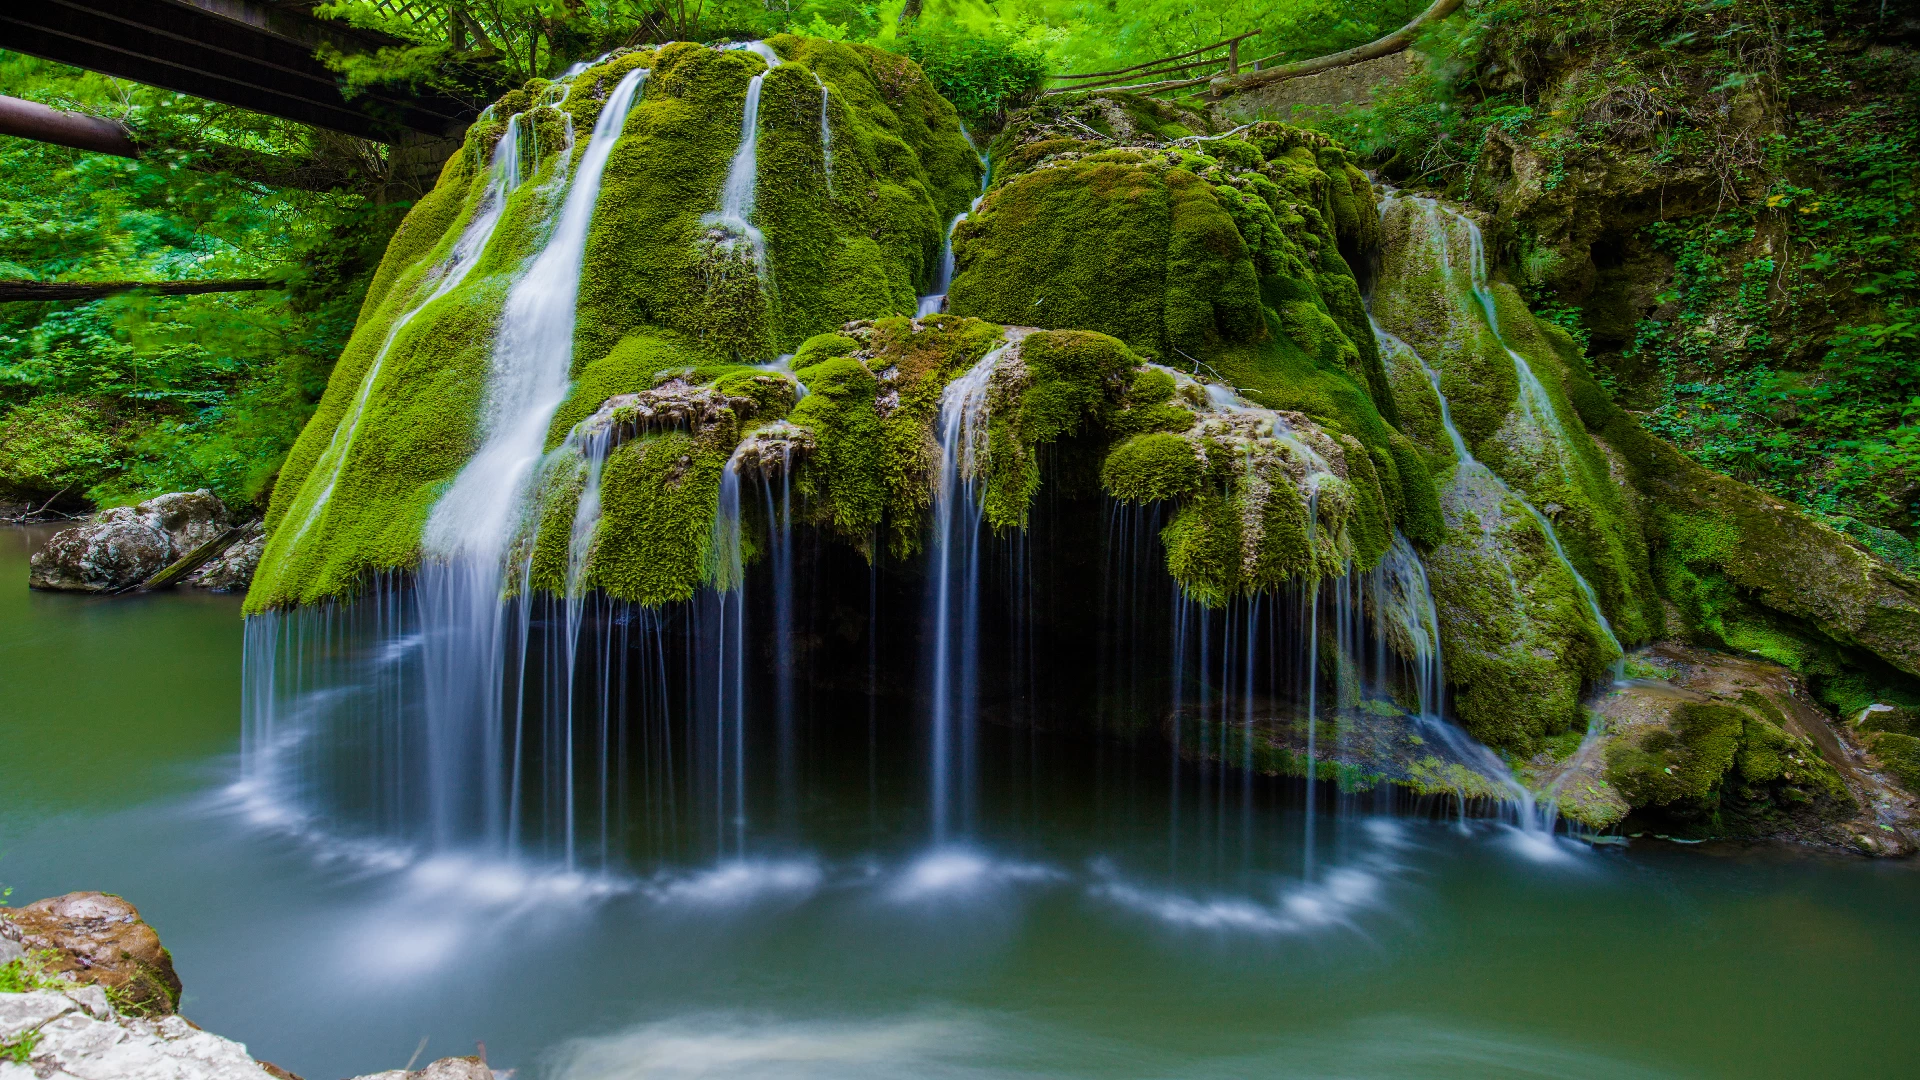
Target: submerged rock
{"x":126,"y":545}
{"x":450,"y":1068}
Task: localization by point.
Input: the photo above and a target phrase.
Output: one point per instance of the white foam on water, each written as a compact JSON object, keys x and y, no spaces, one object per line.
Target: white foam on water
{"x":715,"y":1046}
{"x":1330,"y":902}
{"x":737,"y":883}
{"x":951,"y":872}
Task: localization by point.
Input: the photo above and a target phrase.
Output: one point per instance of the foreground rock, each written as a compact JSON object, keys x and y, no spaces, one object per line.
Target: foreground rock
{"x":124,"y":546}
{"x":98,"y":939}
{"x":98,"y":999}
{"x":232,"y":569}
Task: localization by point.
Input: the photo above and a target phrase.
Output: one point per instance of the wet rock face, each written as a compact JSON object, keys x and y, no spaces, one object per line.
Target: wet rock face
{"x":1706,"y":745}
{"x":126,"y":545}
{"x":98,"y":939}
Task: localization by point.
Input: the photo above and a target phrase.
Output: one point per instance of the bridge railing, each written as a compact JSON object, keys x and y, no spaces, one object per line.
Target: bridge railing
{"x":1193,"y":68}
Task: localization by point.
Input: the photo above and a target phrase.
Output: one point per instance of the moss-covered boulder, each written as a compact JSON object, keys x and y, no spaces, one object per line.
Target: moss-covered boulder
{"x":1706,"y":744}
{"x":851,"y":199}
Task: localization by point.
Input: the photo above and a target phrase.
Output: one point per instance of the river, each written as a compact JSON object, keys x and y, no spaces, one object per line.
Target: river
{"x":1111,"y":917}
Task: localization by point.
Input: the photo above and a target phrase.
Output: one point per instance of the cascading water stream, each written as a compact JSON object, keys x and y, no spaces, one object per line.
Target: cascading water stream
{"x":1537,"y":410}
{"x":933,"y":302}
{"x":728,"y":676}
{"x":503,"y":177}
{"x":734,"y":219}
{"x":956,"y":588}
{"x":826,"y":133}
{"x":467,"y":536}
{"x":1536,"y":407}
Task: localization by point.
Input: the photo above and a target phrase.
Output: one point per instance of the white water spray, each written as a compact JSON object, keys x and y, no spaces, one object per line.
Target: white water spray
{"x":956,"y":589}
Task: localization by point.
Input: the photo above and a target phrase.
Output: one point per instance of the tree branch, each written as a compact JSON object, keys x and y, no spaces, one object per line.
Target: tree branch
{"x":94,"y":290}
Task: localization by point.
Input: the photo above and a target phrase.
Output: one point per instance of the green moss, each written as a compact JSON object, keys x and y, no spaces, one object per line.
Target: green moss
{"x":1203,"y":548}
{"x":664,"y":492}
{"x":843,"y":483}
{"x":656,"y":295}
{"x":1371,"y":527}
{"x":1900,"y":754}
{"x":629,"y":368}
{"x":1063,"y":382}
{"x":1420,"y":516}
{"x":821,"y":347}
{"x":1723,"y":769}
{"x":1151,"y":468}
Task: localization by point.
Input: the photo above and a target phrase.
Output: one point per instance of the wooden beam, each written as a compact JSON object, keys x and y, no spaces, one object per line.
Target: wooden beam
{"x":250,"y":53}
{"x":1397,"y":41}
{"x":94,"y":290}
{"x":43,"y":123}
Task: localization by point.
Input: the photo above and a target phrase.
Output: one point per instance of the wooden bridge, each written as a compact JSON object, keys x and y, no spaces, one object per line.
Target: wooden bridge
{"x":256,"y":54}
{"x":1218,"y":68}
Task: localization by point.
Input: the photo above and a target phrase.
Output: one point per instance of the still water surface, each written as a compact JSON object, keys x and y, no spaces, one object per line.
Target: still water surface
{"x":1101,"y":926}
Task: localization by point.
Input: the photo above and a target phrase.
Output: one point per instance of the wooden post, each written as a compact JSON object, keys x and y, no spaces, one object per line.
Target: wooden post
{"x":1233,"y":57}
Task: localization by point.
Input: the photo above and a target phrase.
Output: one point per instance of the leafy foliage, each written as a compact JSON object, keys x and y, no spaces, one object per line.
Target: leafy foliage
{"x":983,"y":76}
{"x":124,"y":397}
{"x":1785,"y":350}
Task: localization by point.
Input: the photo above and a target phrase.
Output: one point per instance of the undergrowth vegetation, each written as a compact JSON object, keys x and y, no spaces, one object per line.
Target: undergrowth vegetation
{"x":1747,"y":288}
{"x":114,"y":400}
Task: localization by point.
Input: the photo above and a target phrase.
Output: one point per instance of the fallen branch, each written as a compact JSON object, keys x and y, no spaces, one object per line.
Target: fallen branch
{"x":94,"y":290}
{"x":1397,"y":41}
{"x":24,"y":515}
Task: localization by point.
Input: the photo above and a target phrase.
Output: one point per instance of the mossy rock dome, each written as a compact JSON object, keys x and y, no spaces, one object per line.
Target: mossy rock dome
{"x":860,"y":164}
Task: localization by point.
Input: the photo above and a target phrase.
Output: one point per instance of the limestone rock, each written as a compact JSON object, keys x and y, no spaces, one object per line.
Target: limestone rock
{"x":232,"y":570}
{"x":126,"y":545}
{"x":99,"y":939}
{"x":449,"y":1068}
{"x":72,"y":1040}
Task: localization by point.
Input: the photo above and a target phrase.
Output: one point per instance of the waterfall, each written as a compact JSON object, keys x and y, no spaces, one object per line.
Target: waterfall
{"x":933,"y":302}
{"x":728,"y":664}
{"x":779,"y":514}
{"x":466,"y":540}
{"x":956,"y":588}
{"x":503,"y":176}
{"x":826,"y":135}
{"x":1402,"y":602}
{"x":531,"y":367}
{"x":733,"y":221}
{"x":1535,"y":407}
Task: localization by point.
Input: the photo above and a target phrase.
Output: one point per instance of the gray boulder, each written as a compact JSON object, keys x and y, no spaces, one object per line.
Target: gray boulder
{"x":232,"y":570}
{"x":126,"y":545}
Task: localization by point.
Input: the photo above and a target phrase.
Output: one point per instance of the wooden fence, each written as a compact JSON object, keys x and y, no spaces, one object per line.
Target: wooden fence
{"x":1146,"y":78}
